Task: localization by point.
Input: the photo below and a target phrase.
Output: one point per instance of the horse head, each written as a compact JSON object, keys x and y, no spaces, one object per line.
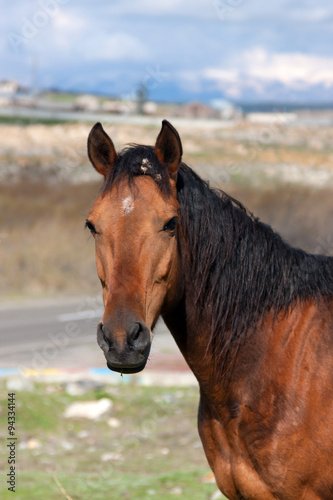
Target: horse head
{"x":135,"y":222}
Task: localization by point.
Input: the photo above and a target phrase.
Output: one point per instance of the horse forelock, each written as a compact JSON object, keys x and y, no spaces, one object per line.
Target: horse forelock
{"x":138,"y":160}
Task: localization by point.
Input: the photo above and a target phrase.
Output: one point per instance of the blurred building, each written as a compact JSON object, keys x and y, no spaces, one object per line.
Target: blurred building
{"x":87,"y":102}
{"x":119,"y":107}
{"x":196,"y":110}
{"x":8,"y":87}
{"x":219,"y":109}
{"x":227,"y":109}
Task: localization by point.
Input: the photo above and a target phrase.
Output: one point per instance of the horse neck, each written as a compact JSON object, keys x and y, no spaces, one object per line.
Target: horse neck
{"x":190,"y":335}
{"x":255,"y":274}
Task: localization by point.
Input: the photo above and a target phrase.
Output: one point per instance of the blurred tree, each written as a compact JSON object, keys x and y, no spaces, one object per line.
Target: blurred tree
{"x":141,"y":98}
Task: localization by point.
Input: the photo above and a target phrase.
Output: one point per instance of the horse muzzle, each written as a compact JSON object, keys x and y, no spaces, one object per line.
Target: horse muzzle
{"x":126,"y":349}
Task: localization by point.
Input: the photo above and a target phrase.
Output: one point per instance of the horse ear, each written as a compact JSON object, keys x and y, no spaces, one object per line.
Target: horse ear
{"x":168,"y":148}
{"x":101,"y":151}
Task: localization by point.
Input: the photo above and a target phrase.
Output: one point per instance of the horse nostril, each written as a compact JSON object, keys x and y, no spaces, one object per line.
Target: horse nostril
{"x":103,"y":341}
{"x":107,"y":341}
{"x":138,"y":337}
{"x":134,"y":333}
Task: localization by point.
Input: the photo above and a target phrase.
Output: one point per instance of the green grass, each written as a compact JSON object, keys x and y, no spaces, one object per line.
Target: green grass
{"x":61,"y":96}
{"x":109,"y":485}
{"x":156,"y":448}
{"x":25,"y":121}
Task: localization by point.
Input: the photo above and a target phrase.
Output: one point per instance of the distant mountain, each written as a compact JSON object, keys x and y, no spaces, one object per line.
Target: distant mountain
{"x":208,"y":90}
{"x":275,"y":92}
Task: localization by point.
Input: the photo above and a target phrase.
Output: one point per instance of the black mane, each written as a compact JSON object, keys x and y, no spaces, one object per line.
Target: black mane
{"x":239,"y":269}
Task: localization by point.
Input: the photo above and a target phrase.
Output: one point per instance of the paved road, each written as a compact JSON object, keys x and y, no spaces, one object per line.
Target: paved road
{"x":62,"y":334}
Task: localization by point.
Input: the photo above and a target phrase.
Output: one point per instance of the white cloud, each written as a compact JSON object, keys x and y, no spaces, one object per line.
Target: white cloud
{"x":313,"y":14}
{"x":186,"y":8}
{"x":290,"y":69}
{"x":224,"y":10}
{"x":201,"y":50}
{"x":284,"y":10}
{"x":119,"y":46}
{"x":66,"y":27}
{"x":257,"y":68}
{"x":66,"y":21}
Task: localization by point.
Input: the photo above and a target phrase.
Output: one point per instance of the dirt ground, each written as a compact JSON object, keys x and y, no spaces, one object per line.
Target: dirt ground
{"x":58,"y":152}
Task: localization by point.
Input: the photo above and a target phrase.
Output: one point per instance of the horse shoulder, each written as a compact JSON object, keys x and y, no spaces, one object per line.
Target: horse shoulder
{"x":266,"y":439}
{"x":287,"y":422}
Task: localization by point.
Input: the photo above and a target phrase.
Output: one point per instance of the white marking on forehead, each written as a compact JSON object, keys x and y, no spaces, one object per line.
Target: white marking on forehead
{"x":127,"y":205}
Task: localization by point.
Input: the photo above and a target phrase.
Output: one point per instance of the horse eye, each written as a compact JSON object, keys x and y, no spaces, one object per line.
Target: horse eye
{"x":171,"y":225}
{"x":91,"y":227}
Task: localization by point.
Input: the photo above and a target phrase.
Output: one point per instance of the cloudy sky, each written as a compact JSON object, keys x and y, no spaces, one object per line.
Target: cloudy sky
{"x":179,"y":49}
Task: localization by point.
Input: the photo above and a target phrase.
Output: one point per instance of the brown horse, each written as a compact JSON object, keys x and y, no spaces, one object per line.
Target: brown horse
{"x":252,"y":316}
